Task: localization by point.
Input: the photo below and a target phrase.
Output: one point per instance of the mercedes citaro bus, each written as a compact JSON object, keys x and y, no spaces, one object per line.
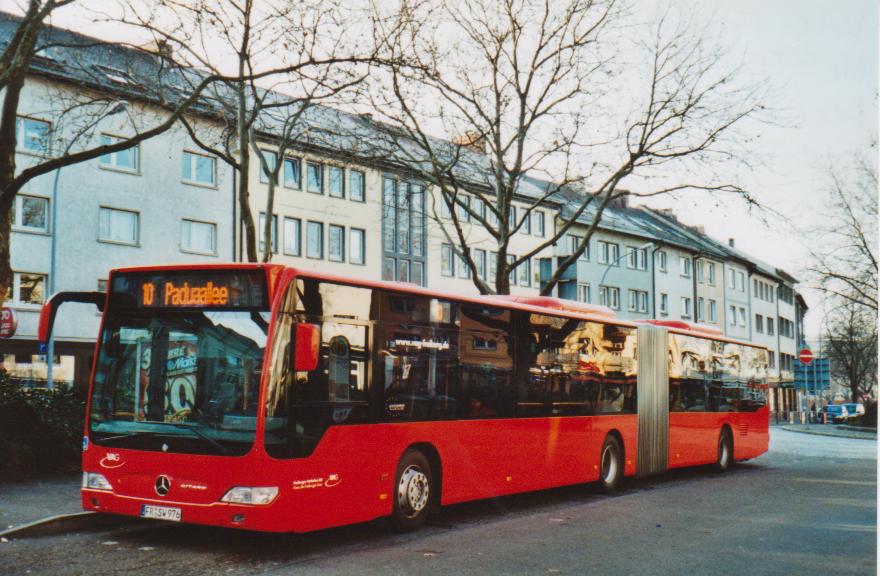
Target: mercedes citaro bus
{"x":269,"y":398}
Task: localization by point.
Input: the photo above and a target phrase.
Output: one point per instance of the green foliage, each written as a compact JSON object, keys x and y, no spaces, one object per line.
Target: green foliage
{"x":40,"y":430}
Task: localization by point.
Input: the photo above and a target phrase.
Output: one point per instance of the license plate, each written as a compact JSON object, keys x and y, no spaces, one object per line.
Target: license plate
{"x":160,"y":512}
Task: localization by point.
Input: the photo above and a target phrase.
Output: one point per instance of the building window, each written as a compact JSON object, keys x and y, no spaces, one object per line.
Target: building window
{"x":293,"y":173}
{"x":403,"y":231}
{"x":32,"y":135}
{"x":478,"y":207}
{"x":638,"y":301}
{"x":731,"y":315}
{"x":755,"y":288}
{"x":526,"y":227}
{"x":525,"y":273}
{"x":479,"y":257}
{"x":118,"y":226}
{"x":711,"y":273}
{"x":462,"y":203}
{"x":608,"y":253}
{"x":267,"y":170}
{"x":512,"y":275}
{"x":447,"y":261}
{"x":609,"y":296}
{"x":315,"y":240}
{"x":661,"y":261}
{"x":684,"y":266}
{"x":315,"y":177}
{"x":261,"y":232}
{"x":770,"y":327}
{"x":574,"y":243}
{"x":293,"y":236}
{"x":759,"y":324}
{"x":583,"y":293}
{"x":685,"y":307}
{"x":731,"y":278}
{"x":538,"y":224}
{"x":713,"y":311}
{"x":126,"y":160}
{"x":30,"y":213}
{"x":701,"y":309}
{"x":461,"y":267}
{"x":358,"y":246}
{"x":701,"y":269}
{"x":741,"y":281}
{"x":199,"y":168}
{"x":27,"y":288}
{"x":771,"y":359}
{"x":336,"y":182}
{"x":199,"y":237}
{"x":336,"y":243}
{"x":664,"y":304}
{"x":358,"y":186}
{"x":511,"y":218}
{"x":493,"y":266}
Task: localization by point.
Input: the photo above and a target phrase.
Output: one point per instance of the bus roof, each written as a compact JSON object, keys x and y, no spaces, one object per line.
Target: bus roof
{"x":534,"y":304}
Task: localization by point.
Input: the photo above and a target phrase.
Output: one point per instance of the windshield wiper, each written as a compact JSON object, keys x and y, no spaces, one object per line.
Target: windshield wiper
{"x":111,"y":439}
{"x":201,"y":435}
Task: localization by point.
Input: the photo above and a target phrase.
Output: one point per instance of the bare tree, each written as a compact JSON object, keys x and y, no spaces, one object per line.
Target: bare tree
{"x":851,"y":337}
{"x":288,"y":56}
{"x":76,"y":112}
{"x":845,"y":264}
{"x":526,"y":86}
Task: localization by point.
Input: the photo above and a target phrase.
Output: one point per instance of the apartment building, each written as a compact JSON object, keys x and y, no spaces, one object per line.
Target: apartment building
{"x":345,"y":204}
{"x":162,"y":201}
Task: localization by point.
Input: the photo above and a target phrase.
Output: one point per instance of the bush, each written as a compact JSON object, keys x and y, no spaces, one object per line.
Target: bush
{"x":40,"y":430}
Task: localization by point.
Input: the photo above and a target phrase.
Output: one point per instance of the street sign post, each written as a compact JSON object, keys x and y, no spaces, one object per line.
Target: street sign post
{"x":8,"y":322}
{"x":805,"y":356}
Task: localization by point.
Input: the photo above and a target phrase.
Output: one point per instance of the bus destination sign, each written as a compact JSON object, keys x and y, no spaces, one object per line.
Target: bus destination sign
{"x":210,"y":289}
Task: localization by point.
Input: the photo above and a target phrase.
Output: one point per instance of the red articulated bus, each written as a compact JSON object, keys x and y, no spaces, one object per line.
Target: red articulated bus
{"x":269,"y":398}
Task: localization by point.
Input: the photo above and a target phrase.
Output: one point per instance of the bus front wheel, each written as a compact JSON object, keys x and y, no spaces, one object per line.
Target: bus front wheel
{"x":611,"y":462}
{"x":413,"y":489}
{"x":725,"y":451}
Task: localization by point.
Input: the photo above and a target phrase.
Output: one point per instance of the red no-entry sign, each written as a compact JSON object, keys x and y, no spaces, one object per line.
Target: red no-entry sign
{"x":8,"y":322}
{"x":805,"y":356}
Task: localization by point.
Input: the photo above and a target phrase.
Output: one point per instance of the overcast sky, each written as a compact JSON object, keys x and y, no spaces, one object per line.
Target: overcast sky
{"x":821,"y":58}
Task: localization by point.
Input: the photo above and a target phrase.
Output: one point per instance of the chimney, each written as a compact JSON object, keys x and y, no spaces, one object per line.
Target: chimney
{"x":161,"y":47}
{"x":471,"y":140}
{"x":667,"y":212}
{"x":620,"y":201}
{"x":699,"y":229}
{"x":731,"y":242}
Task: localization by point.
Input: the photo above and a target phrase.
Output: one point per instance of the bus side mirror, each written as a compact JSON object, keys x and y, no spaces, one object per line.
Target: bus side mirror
{"x":50,"y":308}
{"x":308,"y":345}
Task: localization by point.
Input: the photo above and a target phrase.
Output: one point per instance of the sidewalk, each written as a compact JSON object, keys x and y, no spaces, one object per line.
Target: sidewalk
{"x":30,"y":500}
{"x":836,"y":430}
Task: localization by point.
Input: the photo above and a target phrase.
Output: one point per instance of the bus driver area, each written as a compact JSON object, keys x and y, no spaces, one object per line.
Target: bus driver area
{"x":268,"y":398}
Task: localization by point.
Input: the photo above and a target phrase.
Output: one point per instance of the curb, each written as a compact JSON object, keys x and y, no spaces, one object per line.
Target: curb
{"x":62,"y":523}
{"x":829,"y":434}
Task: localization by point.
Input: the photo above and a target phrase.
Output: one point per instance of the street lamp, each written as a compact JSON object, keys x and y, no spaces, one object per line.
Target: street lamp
{"x":119,"y":106}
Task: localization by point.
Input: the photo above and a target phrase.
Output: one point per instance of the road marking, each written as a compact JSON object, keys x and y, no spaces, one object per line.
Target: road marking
{"x":851,"y":502}
{"x":833,"y":481}
{"x":855,"y":527}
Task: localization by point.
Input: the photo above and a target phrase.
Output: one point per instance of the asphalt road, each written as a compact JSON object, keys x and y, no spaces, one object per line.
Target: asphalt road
{"x":809,"y":506}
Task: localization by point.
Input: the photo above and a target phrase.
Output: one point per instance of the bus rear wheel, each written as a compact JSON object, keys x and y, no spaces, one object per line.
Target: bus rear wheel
{"x":611,"y":465}
{"x":413,"y":490}
{"x":725,"y":451}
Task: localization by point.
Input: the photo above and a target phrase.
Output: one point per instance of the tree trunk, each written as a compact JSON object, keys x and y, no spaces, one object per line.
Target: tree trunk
{"x":270,"y":211}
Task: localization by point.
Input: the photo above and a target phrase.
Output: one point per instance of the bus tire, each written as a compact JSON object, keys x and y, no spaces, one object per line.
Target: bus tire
{"x":610,"y":465}
{"x":725,"y":451}
{"x":413,"y":491}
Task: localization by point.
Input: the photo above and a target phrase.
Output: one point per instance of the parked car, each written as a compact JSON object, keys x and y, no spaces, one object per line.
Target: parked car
{"x":855,"y":409}
{"x":836,"y":413}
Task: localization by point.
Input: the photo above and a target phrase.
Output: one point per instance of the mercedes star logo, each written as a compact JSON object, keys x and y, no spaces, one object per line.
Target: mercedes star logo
{"x":163,"y":485}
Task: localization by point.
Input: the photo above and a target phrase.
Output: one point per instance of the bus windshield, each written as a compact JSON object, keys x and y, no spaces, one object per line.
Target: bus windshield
{"x":179,"y":380}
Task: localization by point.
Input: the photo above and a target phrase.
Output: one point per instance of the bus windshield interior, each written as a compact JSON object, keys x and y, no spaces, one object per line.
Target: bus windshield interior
{"x":179,"y":381}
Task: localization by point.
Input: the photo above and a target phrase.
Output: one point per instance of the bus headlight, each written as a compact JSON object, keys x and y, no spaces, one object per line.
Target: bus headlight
{"x":259,"y":496}
{"x":95,"y":481}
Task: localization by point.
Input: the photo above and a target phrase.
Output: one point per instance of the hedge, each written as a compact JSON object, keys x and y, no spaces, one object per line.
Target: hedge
{"x":40,"y":430}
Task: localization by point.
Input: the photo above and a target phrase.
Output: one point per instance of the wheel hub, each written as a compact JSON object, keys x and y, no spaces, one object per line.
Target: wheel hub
{"x":413,"y":491}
